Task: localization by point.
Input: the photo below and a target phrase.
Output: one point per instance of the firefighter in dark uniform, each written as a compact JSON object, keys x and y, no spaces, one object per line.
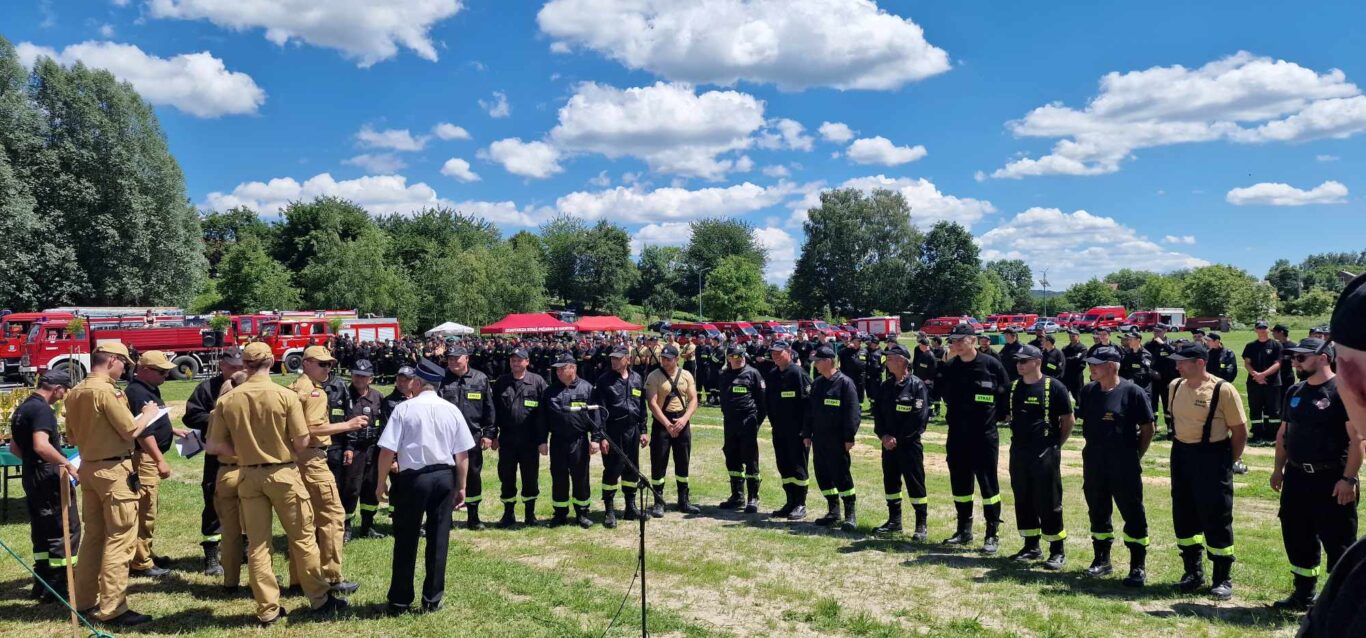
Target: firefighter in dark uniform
{"x":1117,"y":424}
{"x":829,"y":427}
{"x":1074,"y":353}
{"x":338,"y":405}
{"x":197,"y":409}
{"x":1222,"y":363}
{"x":575,"y":433}
{"x":1054,"y":363}
{"x":743,"y":410}
{"x":361,"y":455}
{"x":1009,"y":350}
{"x":470,"y":390}
{"x":787,"y":388}
{"x":399,"y":394}
{"x":713,"y":372}
{"x":925,"y":366}
{"x":974,"y":387}
{"x":1210,"y":433}
{"x":1281,"y":334}
{"x":517,"y":404}
{"x":1318,"y":455}
{"x":854,"y":363}
{"x":900,"y":414}
{"x":621,"y":394}
{"x":1262,"y":357}
{"x":872,"y":374}
{"x":1136,"y":365}
{"x":703,"y":374}
{"x":1164,"y":371}
{"x":38,"y":444}
{"x":1040,"y":422}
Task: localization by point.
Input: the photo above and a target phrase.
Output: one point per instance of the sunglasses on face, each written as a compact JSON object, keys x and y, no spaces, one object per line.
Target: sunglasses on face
{"x":325,"y":365}
{"x":1302,"y":357}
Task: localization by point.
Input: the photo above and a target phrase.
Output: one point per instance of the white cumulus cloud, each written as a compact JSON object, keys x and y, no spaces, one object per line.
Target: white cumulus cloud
{"x":393,"y":139}
{"x":363,"y":30}
{"x":794,"y":44}
{"x":196,"y":83}
{"x":378,"y":194}
{"x":459,"y":169}
{"x":664,"y":234}
{"x":1188,"y":240}
{"x":782,"y":253}
{"x":448,"y":131}
{"x":928,"y":205}
{"x":880,"y":150}
{"x":786,"y":133}
{"x":382,"y":163}
{"x":837,"y":132}
{"x":640,"y":205}
{"x":1278,"y":194}
{"x":528,"y":159}
{"x":498,"y":107}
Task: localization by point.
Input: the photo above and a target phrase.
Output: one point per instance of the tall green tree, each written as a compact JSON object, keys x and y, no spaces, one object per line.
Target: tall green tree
{"x":434,"y":231}
{"x":734,"y":290}
{"x":605,"y":270}
{"x":1161,"y":292}
{"x":479,"y":285}
{"x":563,"y":238}
{"x":993,"y":294}
{"x":1128,"y":282}
{"x":716,"y":238}
{"x":859,"y":254}
{"x":946,"y":277}
{"x":1210,"y":290}
{"x":1018,"y":280}
{"x":658,"y":268}
{"x":1252,"y":302}
{"x":1285,"y":278}
{"x":306,"y":228}
{"x":1091,"y":293}
{"x":357,"y":274}
{"x":222,"y":230}
{"x":250,"y":280}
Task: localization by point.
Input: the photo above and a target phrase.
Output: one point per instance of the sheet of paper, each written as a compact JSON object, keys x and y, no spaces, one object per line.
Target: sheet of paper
{"x":161,"y":413}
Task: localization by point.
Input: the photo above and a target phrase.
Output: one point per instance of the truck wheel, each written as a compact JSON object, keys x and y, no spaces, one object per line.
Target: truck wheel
{"x":186,"y":367}
{"x":294,"y":362}
{"x":76,"y":370}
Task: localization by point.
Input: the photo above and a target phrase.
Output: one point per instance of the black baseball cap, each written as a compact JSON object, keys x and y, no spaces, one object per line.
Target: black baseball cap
{"x":429,"y":371}
{"x":458,"y":351}
{"x":1198,"y":331}
{"x":779,"y":345}
{"x":960,"y":331}
{"x":1104,"y":354}
{"x":231,"y":355}
{"x":565,"y":359}
{"x":1190,"y":351}
{"x":519,"y":353}
{"x":362,"y":368}
{"x":1281,"y":328}
{"x":898,"y":350}
{"x":620,"y":351}
{"x":1011,"y":330}
{"x":1215,"y":336}
{"x":824,"y":352}
{"x":1310,"y":345}
{"x":1261,"y":325}
{"x":736,"y":351}
{"x":923,"y":341}
{"x":407,"y":371}
{"x":1348,"y":328}
{"x":1028,"y":352}
{"x":1073,"y":331}
{"x":669,"y":352}
{"x":1161,"y":327}
{"x":1104,"y":329}
{"x":56,"y":376}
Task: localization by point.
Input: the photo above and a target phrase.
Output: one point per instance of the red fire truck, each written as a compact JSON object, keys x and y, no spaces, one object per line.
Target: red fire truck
{"x":244,"y":328}
{"x":14,"y":328}
{"x":288,"y":337}
{"x":193,"y":349}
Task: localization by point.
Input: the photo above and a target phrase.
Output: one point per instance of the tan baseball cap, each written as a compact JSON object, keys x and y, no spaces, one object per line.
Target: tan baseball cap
{"x":155,"y":359}
{"x":318,"y":353}
{"x":113,"y":347}
{"x":256,"y":352}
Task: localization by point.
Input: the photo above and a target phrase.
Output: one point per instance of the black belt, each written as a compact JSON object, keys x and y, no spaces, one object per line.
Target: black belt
{"x":221,"y":465}
{"x":1316,"y":468}
{"x":268,"y":465}
{"x":112,"y":458}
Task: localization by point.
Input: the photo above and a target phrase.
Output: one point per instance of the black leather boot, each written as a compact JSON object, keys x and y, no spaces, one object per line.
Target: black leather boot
{"x":1194,"y":576}
{"x":737,"y":495}
{"x":610,"y":519}
{"x":832,"y":517}
{"x":893,"y":524}
{"x":1100,"y":564}
{"x":1301,"y":598}
{"x":850,"y":515}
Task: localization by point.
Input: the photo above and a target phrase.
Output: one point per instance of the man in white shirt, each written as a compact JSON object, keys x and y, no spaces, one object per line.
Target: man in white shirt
{"x":431,"y":441}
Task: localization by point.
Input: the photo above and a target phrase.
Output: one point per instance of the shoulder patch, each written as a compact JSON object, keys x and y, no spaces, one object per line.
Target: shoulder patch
{"x":315,"y":393}
{"x":118,"y":394}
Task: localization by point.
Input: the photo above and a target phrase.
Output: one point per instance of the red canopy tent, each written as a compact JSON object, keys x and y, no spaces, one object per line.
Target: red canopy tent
{"x":525,"y":323}
{"x":609,"y":323}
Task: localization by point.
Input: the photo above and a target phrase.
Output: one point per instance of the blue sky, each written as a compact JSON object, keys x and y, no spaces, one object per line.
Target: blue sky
{"x":1080,"y":137}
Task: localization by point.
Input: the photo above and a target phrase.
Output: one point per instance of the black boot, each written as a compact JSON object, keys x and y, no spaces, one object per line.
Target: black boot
{"x":346,"y":531}
{"x":850,"y":517}
{"x":610,"y":519}
{"x":685,"y":501}
{"x":560,"y":518}
{"x":529,"y":512}
{"x":737,"y":496}
{"x":657,"y":510}
{"x":752,"y":488}
{"x":790,"y":503}
{"x":1029,"y":552}
{"x":1194,"y":576}
{"x":472,"y":521}
{"x":582,"y":516}
{"x":798,"y":503}
{"x":1222,"y":579}
{"x":964,"y":534}
{"x":893,"y":524}
{"x":992,"y":543}
{"x":1138,"y":569}
{"x":212,"y":566}
{"x":1301,"y":598}
{"x":922,"y":515}
{"x":367,"y":525}
{"x":1100,"y":565}
{"x":1056,"y":556}
{"x":629,"y":501}
{"x":40,"y":573}
{"x":832,"y":517}
{"x":509,"y":519}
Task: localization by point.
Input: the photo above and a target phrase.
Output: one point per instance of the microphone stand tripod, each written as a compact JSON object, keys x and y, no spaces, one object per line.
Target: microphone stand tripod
{"x":641,"y":486}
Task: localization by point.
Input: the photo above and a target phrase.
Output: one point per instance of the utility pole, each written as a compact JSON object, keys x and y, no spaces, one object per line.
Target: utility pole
{"x":1044,"y":282}
{"x":700,"y":272}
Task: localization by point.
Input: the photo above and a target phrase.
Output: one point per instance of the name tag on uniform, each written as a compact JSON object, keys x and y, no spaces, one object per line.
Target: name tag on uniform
{"x":985,"y":398}
{"x":635,"y":392}
{"x":833,"y":402}
{"x":577,"y":404}
{"x":338,"y":412}
{"x":1135,"y":365}
{"x":1034,"y":400}
{"x":474,"y":396}
{"x":1166,"y":354}
{"x":788,"y":394}
{"x":531,"y":403}
{"x":903,"y":408}
{"x":739,"y":389}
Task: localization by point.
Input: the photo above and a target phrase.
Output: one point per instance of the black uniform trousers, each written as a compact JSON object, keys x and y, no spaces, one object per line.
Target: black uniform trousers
{"x":1158,"y":399}
{"x":1112,"y":477}
{"x":1202,"y":496}
{"x":905,"y":462}
{"x":832,"y":464}
{"x":792,"y":456}
{"x":359,"y":480}
{"x":740,"y":445}
{"x":42,"y":484}
{"x":1036,"y":482}
{"x":515,"y":457}
{"x":616,"y":474}
{"x":1310,"y":517}
{"x":661,"y":446}
{"x":209,"y":527}
{"x":975,"y":458}
{"x":1264,"y":410}
{"x":569,"y":469}
{"x":474,"y":479}
{"x":429,"y":491}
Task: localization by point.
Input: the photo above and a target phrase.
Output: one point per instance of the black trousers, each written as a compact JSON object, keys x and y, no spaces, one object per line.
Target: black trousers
{"x":1073,"y":381}
{"x":42,"y":494}
{"x":359,"y":480}
{"x":615,"y":473}
{"x":1264,"y":410}
{"x":1202,"y":496}
{"x":516,"y":457}
{"x":428,"y":492}
{"x":209,"y":527}
{"x":661,"y":446}
{"x":905,"y":463}
{"x":832,"y":464}
{"x":1157,"y":397}
{"x":474,"y":479}
{"x":974,"y":458}
{"x":740,"y":445}
{"x":1310,"y":517}
{"x":569,"y":469}
{"x":791,"y":455}
{"x":1112,"y":477}
{"x":1036,"y":482}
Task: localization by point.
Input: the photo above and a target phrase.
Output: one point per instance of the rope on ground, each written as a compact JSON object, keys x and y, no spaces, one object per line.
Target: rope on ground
{"x":94,"y":632}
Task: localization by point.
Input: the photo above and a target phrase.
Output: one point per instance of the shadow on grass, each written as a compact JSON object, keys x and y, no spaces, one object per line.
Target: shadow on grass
{"x":1234,"y":615}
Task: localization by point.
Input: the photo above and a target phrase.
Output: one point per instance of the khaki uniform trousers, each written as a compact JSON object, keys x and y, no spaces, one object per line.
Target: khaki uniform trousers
{"x":147,"y":511}
{"x":109,"y":508}
{"x":279,"y":488}
{"x":228,"y":506}
{"x":328,"y":515}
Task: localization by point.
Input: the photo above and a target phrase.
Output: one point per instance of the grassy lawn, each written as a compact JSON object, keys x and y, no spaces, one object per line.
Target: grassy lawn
{"x":723,"y":574}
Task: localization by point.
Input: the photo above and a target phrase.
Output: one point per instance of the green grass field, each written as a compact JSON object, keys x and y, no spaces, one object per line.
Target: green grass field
{"x":723,"y":574}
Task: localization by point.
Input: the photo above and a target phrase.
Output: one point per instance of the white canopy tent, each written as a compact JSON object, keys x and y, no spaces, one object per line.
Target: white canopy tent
{"x":450,"y":328}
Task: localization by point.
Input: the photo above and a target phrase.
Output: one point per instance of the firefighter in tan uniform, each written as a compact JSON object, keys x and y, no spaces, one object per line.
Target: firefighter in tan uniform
{"x":329,"y":516}
{"x":263,"y":426}
{"x":103,"y":430}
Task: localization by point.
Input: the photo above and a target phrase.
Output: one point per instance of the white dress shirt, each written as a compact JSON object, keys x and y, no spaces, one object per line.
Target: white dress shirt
{"x":426,"y":430}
